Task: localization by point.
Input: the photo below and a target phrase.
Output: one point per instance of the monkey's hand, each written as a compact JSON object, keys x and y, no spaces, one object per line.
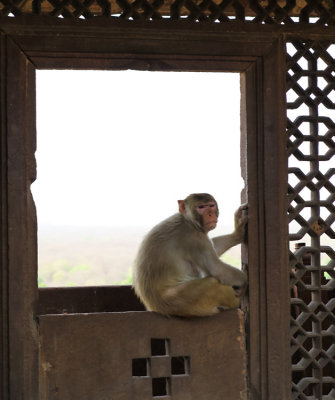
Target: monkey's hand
{"x":241,"y":220}
{"x":225,"y":242}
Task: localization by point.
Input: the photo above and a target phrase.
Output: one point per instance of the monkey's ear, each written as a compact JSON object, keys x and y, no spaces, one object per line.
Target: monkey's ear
{"x":182,"y":208}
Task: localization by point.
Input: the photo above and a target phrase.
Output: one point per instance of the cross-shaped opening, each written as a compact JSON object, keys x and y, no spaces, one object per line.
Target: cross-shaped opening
{"x":161,"y":387}
{"x":160,"y":347}
{"x":180,"y":365}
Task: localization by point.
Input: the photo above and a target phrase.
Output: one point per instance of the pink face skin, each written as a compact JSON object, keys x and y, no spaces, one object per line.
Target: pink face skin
{"x":208,"y":212}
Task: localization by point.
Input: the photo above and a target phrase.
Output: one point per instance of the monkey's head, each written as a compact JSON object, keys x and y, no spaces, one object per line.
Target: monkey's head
{"x":201,"y":209}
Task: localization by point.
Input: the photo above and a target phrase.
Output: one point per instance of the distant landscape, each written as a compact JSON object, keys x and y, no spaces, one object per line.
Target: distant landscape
{"x":88,"y":256}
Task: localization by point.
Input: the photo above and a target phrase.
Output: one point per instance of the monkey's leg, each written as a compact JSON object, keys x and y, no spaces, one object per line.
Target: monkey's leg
{"x":200,"y":297}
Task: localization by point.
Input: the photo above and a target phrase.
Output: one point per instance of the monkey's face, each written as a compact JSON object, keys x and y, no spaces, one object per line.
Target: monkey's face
{"x":201,"y":209}
{"x":208,"y":213}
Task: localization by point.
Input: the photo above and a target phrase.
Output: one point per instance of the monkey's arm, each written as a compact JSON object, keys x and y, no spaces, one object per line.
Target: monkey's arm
{"x":225,"y":273}
{"x":225,"y":242}
{"x":206,"y":260}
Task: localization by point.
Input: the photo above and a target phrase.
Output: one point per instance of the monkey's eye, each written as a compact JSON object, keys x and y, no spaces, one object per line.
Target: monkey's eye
{"x":202,"y":207}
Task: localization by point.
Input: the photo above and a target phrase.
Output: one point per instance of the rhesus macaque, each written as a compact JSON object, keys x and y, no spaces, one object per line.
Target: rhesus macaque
{"x":178,"y":270}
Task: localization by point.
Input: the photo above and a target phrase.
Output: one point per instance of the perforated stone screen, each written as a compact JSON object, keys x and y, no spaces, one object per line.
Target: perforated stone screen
{"x":311,"y":195}
{"x":257,"y":11}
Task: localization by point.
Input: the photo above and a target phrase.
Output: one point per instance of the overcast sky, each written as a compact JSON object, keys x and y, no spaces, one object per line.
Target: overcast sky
{"x":121,"y":147}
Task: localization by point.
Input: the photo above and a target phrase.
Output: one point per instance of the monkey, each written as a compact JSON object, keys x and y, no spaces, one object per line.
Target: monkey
{"x":178,"y":272}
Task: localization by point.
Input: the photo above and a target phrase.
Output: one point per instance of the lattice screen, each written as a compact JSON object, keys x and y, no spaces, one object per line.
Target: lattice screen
{"x":257,"y":11}
{"x":311,"y":149}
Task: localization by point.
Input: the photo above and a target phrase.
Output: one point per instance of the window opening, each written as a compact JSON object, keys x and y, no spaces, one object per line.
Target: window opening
{"x":115,"y":151}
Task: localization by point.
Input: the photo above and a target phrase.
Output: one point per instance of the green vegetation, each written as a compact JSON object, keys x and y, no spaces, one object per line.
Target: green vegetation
{"x":235,"y":262}
{"x":63,"y":273}
{"x":41,"y":282}
{"x":127,"y":280}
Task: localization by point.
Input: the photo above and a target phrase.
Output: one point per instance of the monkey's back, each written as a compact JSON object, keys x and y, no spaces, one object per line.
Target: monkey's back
{"x":160,"y":262}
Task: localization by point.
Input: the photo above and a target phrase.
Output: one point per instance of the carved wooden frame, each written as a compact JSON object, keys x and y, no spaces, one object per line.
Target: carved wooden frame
{"x":43,"y":43}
